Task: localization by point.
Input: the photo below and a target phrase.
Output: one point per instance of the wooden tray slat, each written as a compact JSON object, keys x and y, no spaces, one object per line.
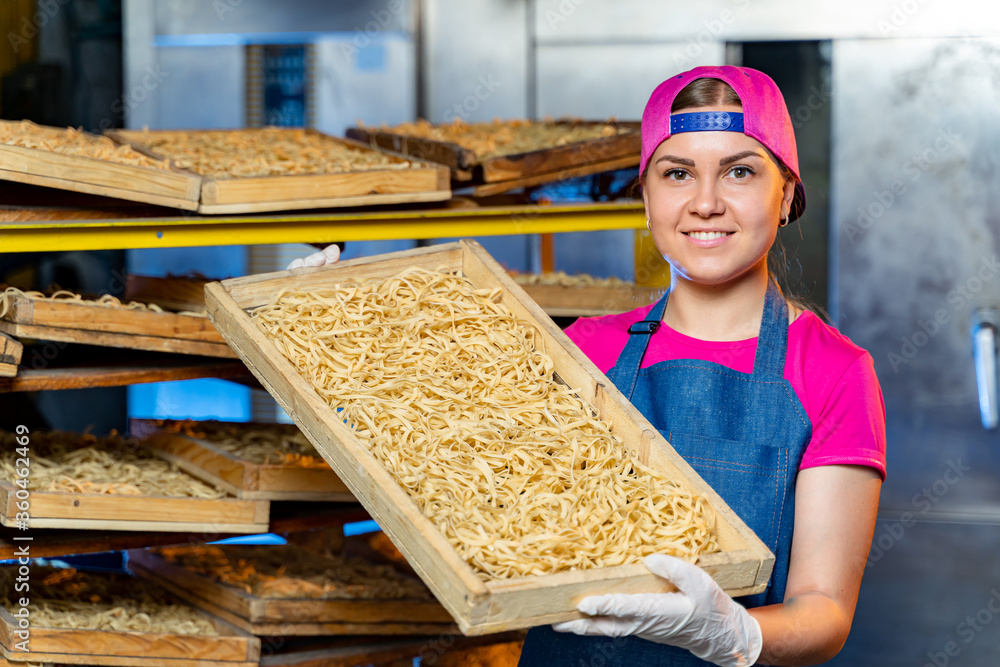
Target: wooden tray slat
{"x":591,"y":300}
{"x":743,"y":566}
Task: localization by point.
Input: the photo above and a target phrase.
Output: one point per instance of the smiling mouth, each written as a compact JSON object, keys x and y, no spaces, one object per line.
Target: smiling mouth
{"x":707,"y":236}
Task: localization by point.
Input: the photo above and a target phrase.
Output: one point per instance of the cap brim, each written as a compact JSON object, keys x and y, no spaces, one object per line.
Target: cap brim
{"x":798,"y":202}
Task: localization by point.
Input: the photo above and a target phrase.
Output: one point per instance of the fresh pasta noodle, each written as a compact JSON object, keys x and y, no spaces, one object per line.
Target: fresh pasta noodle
{"x":268,"y":151}
{"x":286,"y":571}
{"x":563,"y":279}
{"x":265,"y":444}
{"x":67,"y":598}
{"x":70,"y":141}
{"x":505,"y":137}
{"x":83,"y":463}
{"x":455,"y":399}
{"x":65,"y":296}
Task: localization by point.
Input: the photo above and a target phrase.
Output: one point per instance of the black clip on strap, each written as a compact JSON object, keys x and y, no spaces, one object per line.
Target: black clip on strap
{"x":644,"y":327}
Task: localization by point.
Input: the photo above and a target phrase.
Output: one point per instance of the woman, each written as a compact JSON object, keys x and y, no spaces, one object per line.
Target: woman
{"x":781,"y":414}
{"x":778,"y":412}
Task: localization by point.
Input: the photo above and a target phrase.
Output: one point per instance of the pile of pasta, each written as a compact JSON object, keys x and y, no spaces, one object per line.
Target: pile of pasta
{"x":270,"y":151}
{"x":505,"y":137}
{"x":287,"y":571}
{"x":67,"y":598}
{"x":264,"y":444}
{"x":9,"y":294}
{"x":73,"y":142}
{"x":563,"y":279}
{"x":83,"y":463}
{"x":455,"y":399}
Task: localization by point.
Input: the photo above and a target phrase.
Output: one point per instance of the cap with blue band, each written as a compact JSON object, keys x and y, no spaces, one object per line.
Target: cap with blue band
{"x":711,"y":121}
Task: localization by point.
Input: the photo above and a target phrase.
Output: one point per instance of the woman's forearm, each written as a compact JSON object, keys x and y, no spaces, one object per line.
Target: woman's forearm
{"x":808,"y":629}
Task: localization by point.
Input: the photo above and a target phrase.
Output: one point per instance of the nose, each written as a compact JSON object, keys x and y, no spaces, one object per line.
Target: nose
{"x":706,"y":201}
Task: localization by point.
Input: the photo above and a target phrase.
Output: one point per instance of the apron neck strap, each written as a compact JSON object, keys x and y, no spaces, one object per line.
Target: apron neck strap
{"x":772,"y":342}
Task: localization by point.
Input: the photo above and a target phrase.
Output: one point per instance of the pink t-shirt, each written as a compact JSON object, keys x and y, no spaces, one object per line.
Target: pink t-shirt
{"x":833,"y":378}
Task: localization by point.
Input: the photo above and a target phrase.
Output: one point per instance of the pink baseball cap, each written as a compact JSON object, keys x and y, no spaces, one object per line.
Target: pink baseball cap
{"x":765,"y":118}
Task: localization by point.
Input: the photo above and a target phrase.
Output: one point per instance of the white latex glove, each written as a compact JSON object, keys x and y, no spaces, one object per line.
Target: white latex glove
{"x":327,"y":255}
{"x":701,"y":617}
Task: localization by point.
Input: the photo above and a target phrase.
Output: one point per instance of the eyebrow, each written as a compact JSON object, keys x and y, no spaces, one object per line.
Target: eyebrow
{"x":723,"y":162}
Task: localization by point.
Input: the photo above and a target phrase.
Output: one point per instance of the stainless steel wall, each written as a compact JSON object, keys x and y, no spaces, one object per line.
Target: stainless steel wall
{"x":916,"y":230}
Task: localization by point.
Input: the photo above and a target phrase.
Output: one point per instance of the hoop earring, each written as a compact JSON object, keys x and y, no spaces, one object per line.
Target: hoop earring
{"x":647,"y":225}
{"x":782,"y":223}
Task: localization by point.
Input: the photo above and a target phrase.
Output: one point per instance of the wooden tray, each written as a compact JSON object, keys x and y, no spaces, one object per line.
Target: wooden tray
{"x":423,"y":183}
{"x":743,"y":566}
{"x":502,"y":650}
{"x":71,"y":322}
{"x":243,"y":479}
{"x":173,"y":292}
{"x":499,"y":174}
{"x":299,"y":617}
{"x":231,"y":648}
{"x":174,"y":188}
{"x":590,"y":301}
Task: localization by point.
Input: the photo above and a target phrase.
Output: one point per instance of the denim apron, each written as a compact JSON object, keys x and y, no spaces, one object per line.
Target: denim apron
{"x":743,"y":433}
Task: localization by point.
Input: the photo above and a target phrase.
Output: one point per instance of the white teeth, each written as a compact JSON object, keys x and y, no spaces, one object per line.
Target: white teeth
{"x":707,"y":236}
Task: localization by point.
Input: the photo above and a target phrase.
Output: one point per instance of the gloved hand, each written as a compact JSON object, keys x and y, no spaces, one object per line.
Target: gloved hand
{"x":701,"y":617}
{"x":327,"y":255}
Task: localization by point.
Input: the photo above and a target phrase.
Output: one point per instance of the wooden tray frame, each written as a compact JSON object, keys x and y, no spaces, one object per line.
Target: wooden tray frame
{"x":266,"y":617}
{"x":243,"y":479}
{"x":175,"y":188}
{"x":742,"y":567}
{"x":95,"y":511}
{"x":506,"y":172}
{"x":71,"y":322}
{"x":425,"y":183}
{"x":231,"y":648}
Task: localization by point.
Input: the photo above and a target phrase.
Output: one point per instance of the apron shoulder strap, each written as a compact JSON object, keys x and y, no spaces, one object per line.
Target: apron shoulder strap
{"x":626,"y":370}
{"x":772,"y":342}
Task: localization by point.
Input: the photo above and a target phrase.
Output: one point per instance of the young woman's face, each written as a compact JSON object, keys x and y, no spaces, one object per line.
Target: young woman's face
{"x":714,"y":200}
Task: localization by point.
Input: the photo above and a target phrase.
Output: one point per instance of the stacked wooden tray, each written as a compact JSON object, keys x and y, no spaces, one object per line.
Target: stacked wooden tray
{"x":230,"y":647}
{"x":192,"y":446}
{"x":409,"y":181}
{"x":89,"y":510}
{"x":349,"y":611}
{"x":742,"y":566}
{"x":494,"y":174}
{"x":91,"y":175}
{"x":561,"y":295}
{"x":110,"y":326}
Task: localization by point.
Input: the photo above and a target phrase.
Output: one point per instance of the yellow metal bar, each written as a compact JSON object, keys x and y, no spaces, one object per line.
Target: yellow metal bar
{"x":63,"y":235}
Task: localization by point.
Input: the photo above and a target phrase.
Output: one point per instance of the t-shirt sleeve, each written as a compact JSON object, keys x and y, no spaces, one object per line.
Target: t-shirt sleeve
{"x":851,"y":427}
